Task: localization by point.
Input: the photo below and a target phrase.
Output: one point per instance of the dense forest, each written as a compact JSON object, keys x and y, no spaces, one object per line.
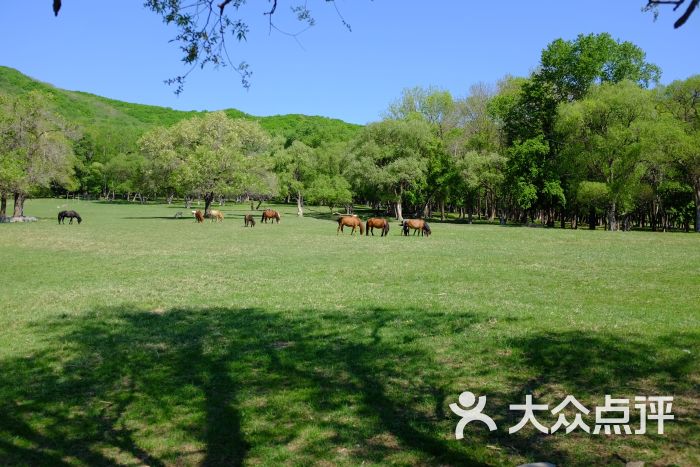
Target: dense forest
{"x":589,"y":138}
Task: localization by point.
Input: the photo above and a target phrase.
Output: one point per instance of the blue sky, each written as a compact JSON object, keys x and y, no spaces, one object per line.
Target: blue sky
{"x":123,"y":52}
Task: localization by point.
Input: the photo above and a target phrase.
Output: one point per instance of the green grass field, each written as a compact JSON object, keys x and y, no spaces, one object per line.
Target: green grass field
{"x":139,"y":339}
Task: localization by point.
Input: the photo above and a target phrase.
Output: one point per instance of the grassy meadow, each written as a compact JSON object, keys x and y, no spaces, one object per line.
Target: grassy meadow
{"x":139,"y":339}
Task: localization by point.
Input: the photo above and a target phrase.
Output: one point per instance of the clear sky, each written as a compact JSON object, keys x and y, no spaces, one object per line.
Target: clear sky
{"x":122,"y":52}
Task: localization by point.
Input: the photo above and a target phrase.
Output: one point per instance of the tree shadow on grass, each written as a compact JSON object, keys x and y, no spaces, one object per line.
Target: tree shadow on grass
{"x":589,"y":365}
{"x":220,"y":386}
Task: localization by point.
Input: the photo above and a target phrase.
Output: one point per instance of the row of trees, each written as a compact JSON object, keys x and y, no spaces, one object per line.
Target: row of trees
{"x":35,"y":150}
{"x":582,"y":140}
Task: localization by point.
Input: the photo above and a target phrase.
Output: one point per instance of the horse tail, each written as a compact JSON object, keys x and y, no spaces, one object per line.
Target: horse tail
{"x":59,"y":217}
{"x":366,"y":227}
{"x":386,"y":227}
{"x":362,"y":231}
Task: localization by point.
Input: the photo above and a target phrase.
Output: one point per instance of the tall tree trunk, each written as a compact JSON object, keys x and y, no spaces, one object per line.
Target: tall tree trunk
{"x":592,"y":221}
{"x":208,"y":198}
{"x":3,"y":205}
{"x":442,"y":210}
{"x":696,"y":181}
{"x":19,"y":205}
{"x":612,"y":219}
{"x":300,"y":206}
{"x":655,"y":205}
{"x":398,"y":211}
{"x":170,"y":198}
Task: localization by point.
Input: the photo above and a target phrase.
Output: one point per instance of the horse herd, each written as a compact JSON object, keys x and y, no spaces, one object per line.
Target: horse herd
{"x":352,"y":221}
{"x":417,"y":225}
{"x":218,"y":216}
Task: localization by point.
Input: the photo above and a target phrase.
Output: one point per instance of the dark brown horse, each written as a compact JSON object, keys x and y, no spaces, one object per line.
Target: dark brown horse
{"x":70,"y":215}
{"x":418,"y":225}
{"x":377,"y":223}
{"x":249,"y":221}
{"x":350,"y":221}
{"x":270,"y":214}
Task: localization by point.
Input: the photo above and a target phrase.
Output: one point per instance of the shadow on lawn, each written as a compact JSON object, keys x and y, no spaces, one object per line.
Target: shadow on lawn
{"x":215,"y":386}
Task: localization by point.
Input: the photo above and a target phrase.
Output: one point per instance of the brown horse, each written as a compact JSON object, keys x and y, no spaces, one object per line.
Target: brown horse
{"x":248,"y":219}
{"x":215,"y":215}
{"x":198,"y":216}
{"x":270,"y":214}
{"x":377,"y":223}
{"x":417,"y":225}
{"x":350,"y":221}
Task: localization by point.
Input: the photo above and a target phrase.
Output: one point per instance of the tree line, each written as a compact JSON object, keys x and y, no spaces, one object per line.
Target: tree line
{"x":589,"y":138}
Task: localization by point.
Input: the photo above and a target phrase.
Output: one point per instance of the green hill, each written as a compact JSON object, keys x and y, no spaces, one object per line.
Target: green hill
{"x":111,"y":126}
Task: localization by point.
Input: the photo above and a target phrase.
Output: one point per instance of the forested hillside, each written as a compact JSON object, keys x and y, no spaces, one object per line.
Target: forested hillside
{"x":110,"y":126}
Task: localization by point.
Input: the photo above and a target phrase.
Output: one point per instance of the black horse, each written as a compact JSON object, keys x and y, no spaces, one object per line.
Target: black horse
{"x":70,"y":215}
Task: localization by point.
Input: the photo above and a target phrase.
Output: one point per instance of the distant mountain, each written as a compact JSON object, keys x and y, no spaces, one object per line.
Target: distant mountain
{"x":113,"y":126}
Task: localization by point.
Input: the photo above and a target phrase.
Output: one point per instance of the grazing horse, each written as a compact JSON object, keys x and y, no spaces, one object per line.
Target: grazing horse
{"x":270,"y":214}
{"x":70,"y":215}
{"x":198,"y":216}
{"x":215,"y":215}
{"x":350,"y":221}
{"x":417,"y":225}
{"x":378,"y":223}
{"x":248,"y":219}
